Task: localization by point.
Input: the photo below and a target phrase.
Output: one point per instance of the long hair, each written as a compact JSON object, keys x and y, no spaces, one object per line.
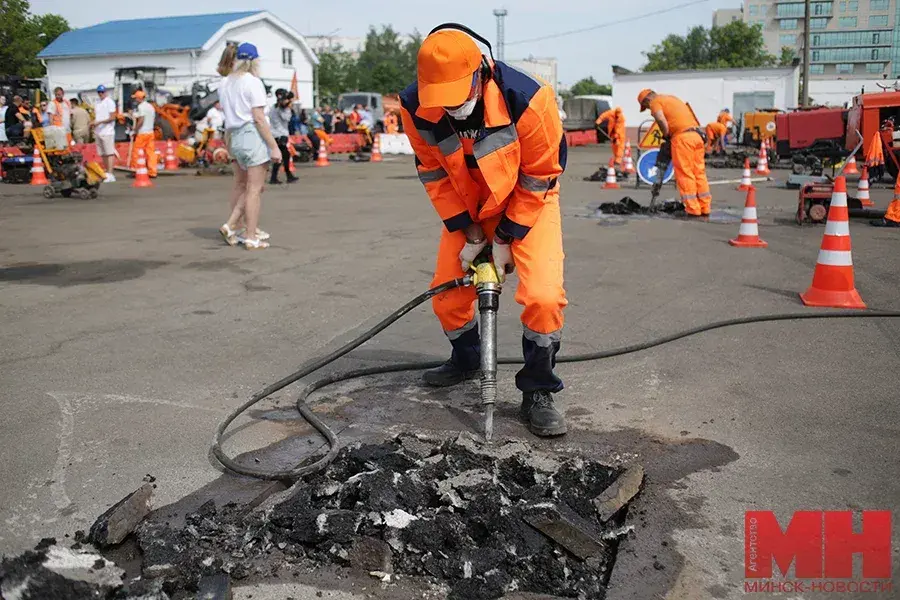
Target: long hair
{"x":246,"y":66}
{"x":226,"y":61}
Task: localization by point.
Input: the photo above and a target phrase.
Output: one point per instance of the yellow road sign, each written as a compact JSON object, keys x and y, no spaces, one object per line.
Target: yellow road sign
{"x":653,"y":138}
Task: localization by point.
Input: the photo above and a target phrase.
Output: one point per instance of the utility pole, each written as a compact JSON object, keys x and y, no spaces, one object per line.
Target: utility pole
{"x":500,"y":13}
{"x":807,"y":54}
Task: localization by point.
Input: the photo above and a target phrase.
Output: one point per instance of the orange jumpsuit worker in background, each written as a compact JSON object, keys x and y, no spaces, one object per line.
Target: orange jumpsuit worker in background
{"x":715,"y":137}
{"x":678,"y":123}
{"x":616,"y":131}
{"x":727,"y":120}
{"x":390,"y":123}
{"x":490,"y":150}
{"x":144,"y":134}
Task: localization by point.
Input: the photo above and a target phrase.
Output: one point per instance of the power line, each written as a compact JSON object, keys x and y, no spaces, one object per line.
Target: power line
{"x":609,"y":24}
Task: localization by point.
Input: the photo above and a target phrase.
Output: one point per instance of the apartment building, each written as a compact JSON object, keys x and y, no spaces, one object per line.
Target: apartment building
{"x":849,"y":39}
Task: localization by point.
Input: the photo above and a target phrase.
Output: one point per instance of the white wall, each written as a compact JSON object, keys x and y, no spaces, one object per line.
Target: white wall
{"x":837,"y":92}
{"x":708,"y":92}
{"x":83,"y":74}
{"x":545,"y":68}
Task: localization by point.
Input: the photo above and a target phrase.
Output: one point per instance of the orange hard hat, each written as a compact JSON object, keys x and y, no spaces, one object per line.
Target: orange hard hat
{"x":447,"y":62}
{"x":643,"y":96}
{"x":139,"y":95}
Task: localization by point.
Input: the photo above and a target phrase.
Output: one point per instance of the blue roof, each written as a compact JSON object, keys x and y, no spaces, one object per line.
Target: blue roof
{"x":138,"y":36}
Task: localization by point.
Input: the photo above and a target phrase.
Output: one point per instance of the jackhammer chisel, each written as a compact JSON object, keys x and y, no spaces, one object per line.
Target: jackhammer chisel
{"x":487,"y":286}
{"x":663,"y":158}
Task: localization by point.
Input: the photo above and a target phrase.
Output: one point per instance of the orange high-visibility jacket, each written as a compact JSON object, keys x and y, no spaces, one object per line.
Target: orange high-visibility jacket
{"x":616,"y":126}
{"x":520,"y":151}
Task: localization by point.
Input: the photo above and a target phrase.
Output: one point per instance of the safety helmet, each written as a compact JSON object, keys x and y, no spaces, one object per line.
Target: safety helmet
{"x":446,"y":66}
{"x":643,"y":96}
{"x":139,"y":95}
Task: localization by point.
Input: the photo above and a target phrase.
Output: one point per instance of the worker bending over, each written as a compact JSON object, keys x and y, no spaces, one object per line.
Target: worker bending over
{"x":490,"y":149}
{"x":678,"y":124}
{"x":144,"y":135}
{"x":715,"y":137}
{"x":616,"y":129}
{"x":727,"y":120}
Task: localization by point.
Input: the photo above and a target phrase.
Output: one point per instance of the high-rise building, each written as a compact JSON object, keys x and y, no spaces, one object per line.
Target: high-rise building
{"x":848,"y":38}
{"x":724,"y":16}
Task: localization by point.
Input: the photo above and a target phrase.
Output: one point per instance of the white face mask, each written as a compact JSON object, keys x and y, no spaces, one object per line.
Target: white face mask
{"x":465,"y":110}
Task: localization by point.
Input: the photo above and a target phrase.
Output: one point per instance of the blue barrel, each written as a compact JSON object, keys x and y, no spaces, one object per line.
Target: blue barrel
{"x":646,"y":167}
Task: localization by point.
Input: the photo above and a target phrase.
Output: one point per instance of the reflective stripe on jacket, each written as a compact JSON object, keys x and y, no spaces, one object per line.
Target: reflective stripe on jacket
{"x":520,"y":151}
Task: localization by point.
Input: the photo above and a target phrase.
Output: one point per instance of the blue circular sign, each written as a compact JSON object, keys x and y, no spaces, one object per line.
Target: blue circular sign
{"x":646,"y":167}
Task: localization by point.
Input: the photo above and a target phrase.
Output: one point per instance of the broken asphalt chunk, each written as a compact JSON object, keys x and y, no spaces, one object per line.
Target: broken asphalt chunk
{"x":215,"y":587}
{"x":567,"y":530}
{"x":122,"y":518}
{"x":620,"y":493}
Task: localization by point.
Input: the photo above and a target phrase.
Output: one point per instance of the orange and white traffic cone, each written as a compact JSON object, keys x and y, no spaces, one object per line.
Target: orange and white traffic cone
{"x":833,"y":283}
{"x":746,"y":184}
{"x":141,"y":177}
{"x":171,"y":162}
{"x":850,"y":168}
{"x":376,"y":150}
{"x":611,"y":183}
{"x":748,"y":234}
{"x":290,"y":163}
{"x":628,"y":160}
{"x":322,"y":159}
{"x":38,"y":177}
{"x":862,"y":189}
{"x":762,"y":167}
{"x":160,"y":164}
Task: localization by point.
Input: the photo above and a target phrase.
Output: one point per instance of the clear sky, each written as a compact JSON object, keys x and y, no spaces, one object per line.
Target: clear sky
{"x":579,"y":55}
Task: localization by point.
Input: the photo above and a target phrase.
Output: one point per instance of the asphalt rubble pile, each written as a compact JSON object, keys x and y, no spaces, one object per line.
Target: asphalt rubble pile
{"x":479,"y":521}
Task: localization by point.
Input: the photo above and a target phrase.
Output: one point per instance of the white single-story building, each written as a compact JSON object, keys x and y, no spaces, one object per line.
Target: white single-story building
{"x":189,"y":46}
{"x":840,"y":92}
{"x":708,"y":92}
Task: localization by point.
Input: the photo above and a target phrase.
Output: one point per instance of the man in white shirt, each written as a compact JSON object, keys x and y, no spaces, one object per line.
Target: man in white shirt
{"x":215,"y":120}
{"x":145,"y":138}
{"x":104,"y":126}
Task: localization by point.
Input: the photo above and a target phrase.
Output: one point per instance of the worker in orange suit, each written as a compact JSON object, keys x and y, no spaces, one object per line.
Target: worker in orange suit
{"x":616,"y":129}
{"x":490,"y":150}
{"x":144,"y":135}
{"x":678,"y":124}
{"x":390,"y":123}
{"x":727,"y":120}
{"x":715,"y":137}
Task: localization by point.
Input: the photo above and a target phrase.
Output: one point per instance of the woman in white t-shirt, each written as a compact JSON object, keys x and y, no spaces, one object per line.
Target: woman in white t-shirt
{"x":249,"y":140}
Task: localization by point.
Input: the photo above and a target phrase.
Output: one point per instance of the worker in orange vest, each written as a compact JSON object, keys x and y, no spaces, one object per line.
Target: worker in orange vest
{"x":144,"y":134}
{"x":727,"y":120}
{"x":678,"y":124}
{"x":616,"y":129}
{"x":715,"y":137}
{"x":390,"y":123}
{"x":490,"y":150}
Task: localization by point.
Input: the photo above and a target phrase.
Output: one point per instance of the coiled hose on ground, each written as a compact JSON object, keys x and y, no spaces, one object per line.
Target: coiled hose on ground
{"x":318,"y":363}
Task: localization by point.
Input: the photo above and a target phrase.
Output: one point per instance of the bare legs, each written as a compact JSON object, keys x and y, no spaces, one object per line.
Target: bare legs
{"x":238,"y":197}
{"x":246,"y":200}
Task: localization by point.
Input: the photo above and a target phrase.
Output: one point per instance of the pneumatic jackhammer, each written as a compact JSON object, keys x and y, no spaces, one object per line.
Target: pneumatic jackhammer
{"x":487,"y":286}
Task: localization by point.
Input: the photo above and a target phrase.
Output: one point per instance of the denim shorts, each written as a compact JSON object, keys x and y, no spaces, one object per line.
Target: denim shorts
{"x":247,"y":147}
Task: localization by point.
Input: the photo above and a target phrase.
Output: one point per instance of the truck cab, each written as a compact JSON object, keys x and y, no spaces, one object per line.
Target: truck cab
{"x":372,"y":101}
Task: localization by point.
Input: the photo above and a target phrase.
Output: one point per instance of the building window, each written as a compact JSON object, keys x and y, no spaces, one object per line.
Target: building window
{"x":879,"y":4}
{"x":788,"y":24}
{"x":852,"y":5}
{"x":876,"y":38}
{"x":754,"y":10}
{"x":816,"y":69}
{"x":815,"y":55}
{"x":842,"y":6}
{"x":878,"y":20}
{"x":816,"y":39}
{"x":788,"y":39}
{"x":874,"y":67}
{"x":847,"y":21}
{"x":789,"y":10}
{"x":821,"y":8}
{"x":763,"y":9}
{"x":874,"y":53}
{"x":818,"y":23}
{"x":844,"y":68}
{"x":287,"y":57}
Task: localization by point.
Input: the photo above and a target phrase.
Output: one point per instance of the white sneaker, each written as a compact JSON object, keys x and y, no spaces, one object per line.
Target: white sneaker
{"x":110,"y":178}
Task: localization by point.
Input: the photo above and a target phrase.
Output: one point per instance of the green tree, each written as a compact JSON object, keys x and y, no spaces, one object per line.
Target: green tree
{"x":23,"y":35}
{"x":736,"y":45}
{"x":387,"y":63}
{"x":788,"y":54}
{"x":337,"y":74}
{"x":589,"y":87}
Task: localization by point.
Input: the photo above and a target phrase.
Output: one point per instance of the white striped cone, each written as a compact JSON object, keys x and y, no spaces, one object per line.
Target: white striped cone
{"x":762,"y":167}
{"x":38,"y":176}
{"x":141,"y":176}
{"x":748,"y":235}
{"x":629,"y":162}
{"x":833,"y":282}
{"x":160,"y":164}
{"x":746,"y":184}
{"x":862,"y":189}
{"x":171,"y":162}
{"x":610,"y":183}
{"x":850,"y":168}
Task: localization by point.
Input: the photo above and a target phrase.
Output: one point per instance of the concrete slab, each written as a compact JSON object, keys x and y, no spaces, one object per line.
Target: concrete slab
{"x":129,"y":331}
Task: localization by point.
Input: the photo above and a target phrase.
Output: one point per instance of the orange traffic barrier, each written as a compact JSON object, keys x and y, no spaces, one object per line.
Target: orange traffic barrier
{"x":833,"y":283}
{"x":748,"y":234}
{"x":862,"y":189}
{"x":141,"y":177}
{"x":38,"y":177}
{"x":611,"y":183}
{"x":376,"y":150}
{"x":628,"y":168}
{"x":762,"y":167}
{"x":171,"y":162}
{"x":746,"y":184}
{"x":850,"y":168}
{"x":322,"y":159}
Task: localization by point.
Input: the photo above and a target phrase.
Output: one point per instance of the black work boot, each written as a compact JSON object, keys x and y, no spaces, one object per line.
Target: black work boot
{"x":464,"y":363}
{"x":543,"y":419}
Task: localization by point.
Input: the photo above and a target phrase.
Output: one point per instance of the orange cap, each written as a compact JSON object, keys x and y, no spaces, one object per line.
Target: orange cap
{"x":642,"y":96}
{"x":447,"y":62}
{"x":139,"y":95}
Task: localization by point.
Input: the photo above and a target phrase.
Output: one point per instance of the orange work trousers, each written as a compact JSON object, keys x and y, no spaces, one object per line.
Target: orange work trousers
{"x":618,"y":149}
{"x":145,"y":142}
{"x":539,"y":264}
{"x":689,"y":158}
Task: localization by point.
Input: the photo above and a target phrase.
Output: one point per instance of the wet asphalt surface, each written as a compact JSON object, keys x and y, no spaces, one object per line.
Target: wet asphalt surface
{"x":130,"y":330}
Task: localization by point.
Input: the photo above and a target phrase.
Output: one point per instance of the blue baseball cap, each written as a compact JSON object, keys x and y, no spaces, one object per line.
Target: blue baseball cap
{"x":101,"y":88}
{"x":247,"y":51}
